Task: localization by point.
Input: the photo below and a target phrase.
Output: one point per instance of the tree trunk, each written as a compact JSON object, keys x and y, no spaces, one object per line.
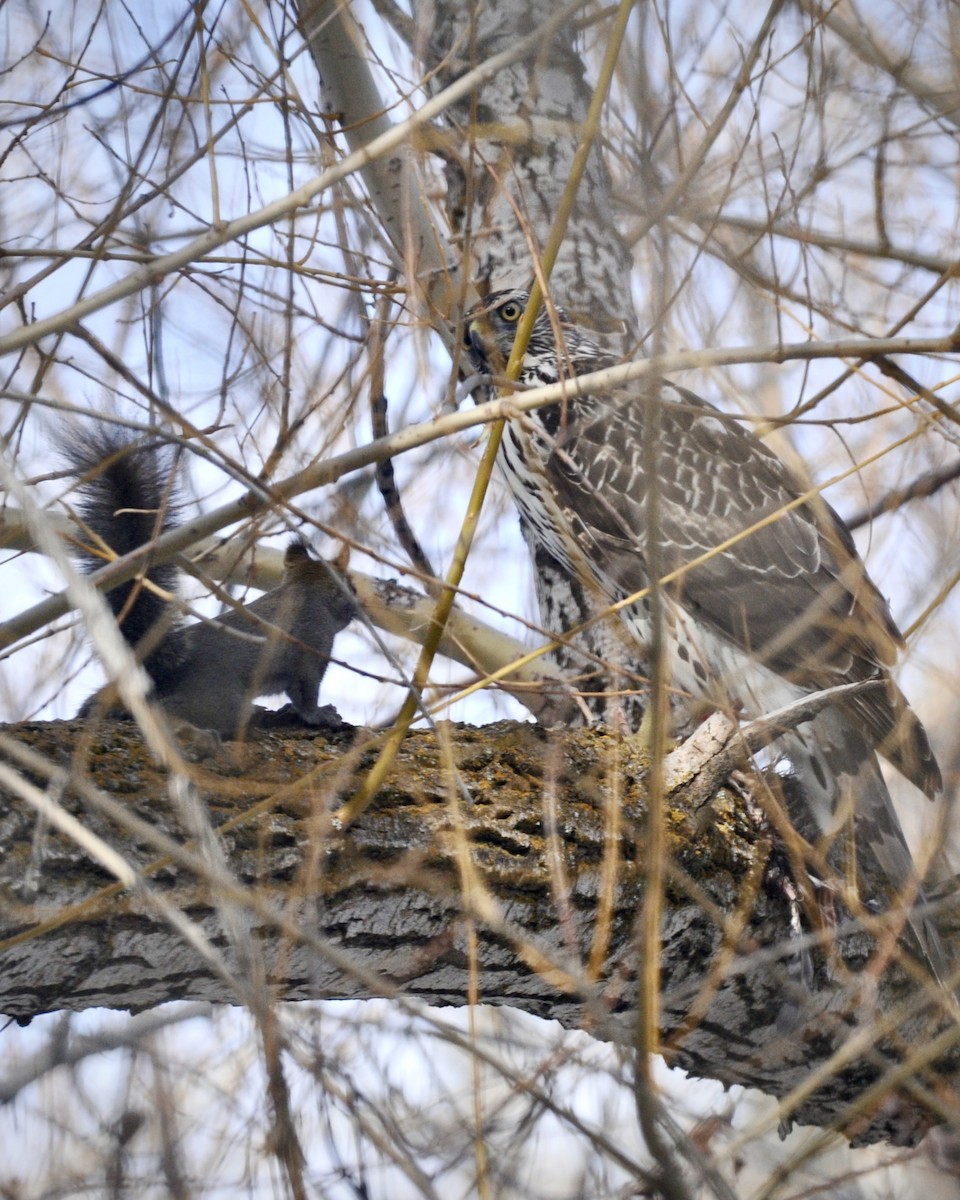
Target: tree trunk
{"x":515,"y":141}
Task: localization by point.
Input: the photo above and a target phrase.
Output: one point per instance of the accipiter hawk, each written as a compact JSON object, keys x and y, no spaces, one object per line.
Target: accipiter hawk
{"x":784,"y":609}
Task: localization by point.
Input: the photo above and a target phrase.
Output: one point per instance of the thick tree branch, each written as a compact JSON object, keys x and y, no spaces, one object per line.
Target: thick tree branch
{"x":384,"y":907}
{"x":352,"y":100}
{"x":388,"y":604}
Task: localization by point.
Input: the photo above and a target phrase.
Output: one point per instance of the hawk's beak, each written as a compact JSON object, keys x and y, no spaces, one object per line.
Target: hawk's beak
{"x":473,"y":336}
{"x":481,"y":343}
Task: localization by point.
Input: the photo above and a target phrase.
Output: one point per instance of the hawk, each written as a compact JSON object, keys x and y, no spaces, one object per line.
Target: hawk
{"x":783,"y":609}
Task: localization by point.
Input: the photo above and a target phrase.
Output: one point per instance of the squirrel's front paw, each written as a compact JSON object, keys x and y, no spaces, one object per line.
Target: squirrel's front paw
{"x":324,"y":716}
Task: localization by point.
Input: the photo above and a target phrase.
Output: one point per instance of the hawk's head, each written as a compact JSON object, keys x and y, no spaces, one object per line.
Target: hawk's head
{"x":490,"y":327}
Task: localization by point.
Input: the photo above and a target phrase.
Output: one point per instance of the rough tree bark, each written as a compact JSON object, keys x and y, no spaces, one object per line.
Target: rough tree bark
{"x":544,"y":861}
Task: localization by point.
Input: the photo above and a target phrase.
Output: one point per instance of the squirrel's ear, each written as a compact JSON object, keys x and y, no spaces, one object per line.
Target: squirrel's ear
{"x":297,"y":552}
{"x":343,"y":558}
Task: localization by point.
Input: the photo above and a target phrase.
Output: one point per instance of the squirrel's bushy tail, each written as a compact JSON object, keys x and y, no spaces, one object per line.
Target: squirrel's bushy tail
{"x":126,"y":496}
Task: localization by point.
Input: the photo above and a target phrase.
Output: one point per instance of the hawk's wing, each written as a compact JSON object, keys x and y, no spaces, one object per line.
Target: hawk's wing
{"x":789,"y":589}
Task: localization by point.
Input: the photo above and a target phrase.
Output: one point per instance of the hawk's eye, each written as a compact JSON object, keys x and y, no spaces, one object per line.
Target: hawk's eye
{"x":511,"y":312}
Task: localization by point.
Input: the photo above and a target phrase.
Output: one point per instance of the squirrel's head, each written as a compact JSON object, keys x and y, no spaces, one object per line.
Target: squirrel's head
{"x":301,"y":567}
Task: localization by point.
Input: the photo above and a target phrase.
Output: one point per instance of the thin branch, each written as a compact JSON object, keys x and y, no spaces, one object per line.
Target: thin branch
{"x":943,"y":102}
{"x":820,"y":239}
{"x":385,"y":474}
{"x":682,"y":184}
{"x":927,"y":484}
{"x":262,"y":497}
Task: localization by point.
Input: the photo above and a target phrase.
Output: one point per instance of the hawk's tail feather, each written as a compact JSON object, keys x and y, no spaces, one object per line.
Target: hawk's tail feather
{"x":840,"y":795}
{"x":908,"y":748}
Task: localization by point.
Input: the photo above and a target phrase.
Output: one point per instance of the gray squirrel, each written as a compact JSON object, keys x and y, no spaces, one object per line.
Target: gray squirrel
{"x":206,"y":673}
